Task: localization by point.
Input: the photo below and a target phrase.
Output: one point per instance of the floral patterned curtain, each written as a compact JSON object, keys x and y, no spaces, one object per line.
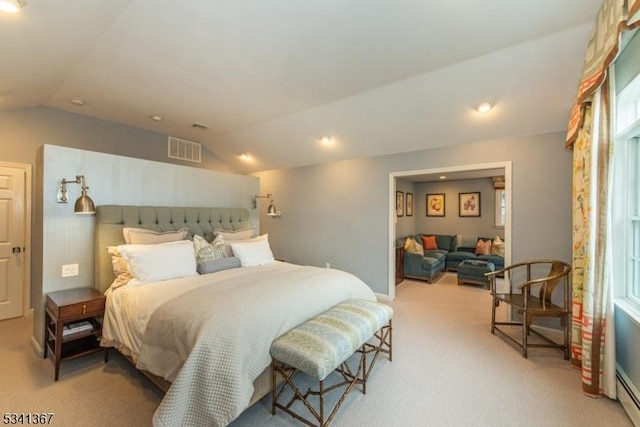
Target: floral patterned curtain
{"x":589,"y":134}
{"x":615,"y":16}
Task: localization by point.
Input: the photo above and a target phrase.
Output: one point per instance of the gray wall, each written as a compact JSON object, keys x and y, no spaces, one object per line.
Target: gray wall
{"x":452,"y":223}
{"x":405,"y":225}
{"x":26,"y":129}
{"x":338,"y":212}
{"x":66,"y":238}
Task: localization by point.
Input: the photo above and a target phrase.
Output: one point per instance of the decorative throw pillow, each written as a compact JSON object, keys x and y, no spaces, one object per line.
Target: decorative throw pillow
{"x":253,"y":252}
{"x":206,"y":251}
{"x":409,"y":244}
{"x":218,"y":265}
{"x":413,"y":247}
{"x":429,"y":242}
{"x":120,"y":267}
{"x":497,"y":248}
{"x":483,"y":247}
{"x":143,"y":236}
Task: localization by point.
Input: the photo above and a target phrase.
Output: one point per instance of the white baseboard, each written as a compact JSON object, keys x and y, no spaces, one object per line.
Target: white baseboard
{"x":36,"y":346}
{"x":628,"y":396}
{"x":383,"y":297}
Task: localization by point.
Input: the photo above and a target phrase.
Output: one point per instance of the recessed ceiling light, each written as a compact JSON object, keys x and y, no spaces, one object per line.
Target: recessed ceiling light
{"x":76,"y":102}
{"x":326,"y":140}
{"x":245,"y":157}
{"x":156,"y":118}
{"x":484,"y":107}
{"x":12,"y":6}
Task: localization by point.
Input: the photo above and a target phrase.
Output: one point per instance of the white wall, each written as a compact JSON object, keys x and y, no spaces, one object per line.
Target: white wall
{"x":68,"y":239}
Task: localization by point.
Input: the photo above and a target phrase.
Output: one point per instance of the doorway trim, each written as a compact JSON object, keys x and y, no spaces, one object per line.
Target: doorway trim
{"x":26,"y":285}
{"x":391,"y":292}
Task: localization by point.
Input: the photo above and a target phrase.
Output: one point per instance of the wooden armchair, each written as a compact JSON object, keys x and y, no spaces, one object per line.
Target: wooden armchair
{"x":531,"y":286}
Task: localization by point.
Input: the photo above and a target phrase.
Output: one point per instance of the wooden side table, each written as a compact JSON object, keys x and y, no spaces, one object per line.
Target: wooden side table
{"x":399,"y":264}
{"x":70,"y":306}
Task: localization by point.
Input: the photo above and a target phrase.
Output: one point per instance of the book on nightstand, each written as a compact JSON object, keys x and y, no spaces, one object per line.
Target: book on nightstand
{"x":74,"y":328}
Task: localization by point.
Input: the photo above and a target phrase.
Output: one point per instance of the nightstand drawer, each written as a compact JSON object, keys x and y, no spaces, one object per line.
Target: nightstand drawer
{"x":80,"y":308}
{"x":75,"y":302}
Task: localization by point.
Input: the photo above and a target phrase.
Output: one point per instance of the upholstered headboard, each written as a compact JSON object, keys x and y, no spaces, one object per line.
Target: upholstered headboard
{"x":111,"y":219}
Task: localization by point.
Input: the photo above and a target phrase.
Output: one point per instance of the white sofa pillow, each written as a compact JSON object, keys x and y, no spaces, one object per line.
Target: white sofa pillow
{"x":253,"y":252}
{"x":153,"y":263}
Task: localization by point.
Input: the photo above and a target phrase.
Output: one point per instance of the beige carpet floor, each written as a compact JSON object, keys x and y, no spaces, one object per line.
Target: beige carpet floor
{"x":448,"y":370}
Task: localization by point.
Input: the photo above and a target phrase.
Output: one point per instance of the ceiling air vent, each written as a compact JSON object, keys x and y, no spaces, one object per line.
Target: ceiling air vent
{"x":184,"y":150}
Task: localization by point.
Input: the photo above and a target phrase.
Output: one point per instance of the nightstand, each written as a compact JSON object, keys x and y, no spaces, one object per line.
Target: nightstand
{"x":68,"y":307}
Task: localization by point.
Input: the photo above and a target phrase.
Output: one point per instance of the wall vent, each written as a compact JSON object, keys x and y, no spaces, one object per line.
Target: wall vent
{"x":184,"y":150}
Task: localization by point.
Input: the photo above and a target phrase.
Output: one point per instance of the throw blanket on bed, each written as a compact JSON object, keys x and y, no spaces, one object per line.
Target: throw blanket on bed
{"x":217,"y":353}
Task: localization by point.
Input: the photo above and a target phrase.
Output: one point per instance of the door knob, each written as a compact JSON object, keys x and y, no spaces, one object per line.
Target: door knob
{"x":16,"y":250}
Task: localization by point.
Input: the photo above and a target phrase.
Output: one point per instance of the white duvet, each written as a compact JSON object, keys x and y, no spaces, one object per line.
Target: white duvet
{"x":210,"y":335}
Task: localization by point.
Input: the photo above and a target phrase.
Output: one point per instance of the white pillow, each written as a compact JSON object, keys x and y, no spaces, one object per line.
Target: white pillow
{"x":153,"y":263}
{"x":242,"y":234}
{"x":234,"y":236}
{"x":253,"y":252}
{"x":143,"y":236}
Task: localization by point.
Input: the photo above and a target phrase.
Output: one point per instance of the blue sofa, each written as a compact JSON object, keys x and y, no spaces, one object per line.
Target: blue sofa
{"x":432,"y":262}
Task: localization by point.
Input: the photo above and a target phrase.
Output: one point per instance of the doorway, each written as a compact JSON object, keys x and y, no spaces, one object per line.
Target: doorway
{"x":15,"y":236}
{"x":461,"y":171}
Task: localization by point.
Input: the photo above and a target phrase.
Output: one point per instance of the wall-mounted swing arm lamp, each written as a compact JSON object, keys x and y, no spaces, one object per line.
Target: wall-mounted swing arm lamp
{"x":84,"y":204}
{"x":271,"y":210}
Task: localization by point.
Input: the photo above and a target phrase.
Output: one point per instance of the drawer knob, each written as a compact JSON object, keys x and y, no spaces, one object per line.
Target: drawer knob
{"x":84,"y":308}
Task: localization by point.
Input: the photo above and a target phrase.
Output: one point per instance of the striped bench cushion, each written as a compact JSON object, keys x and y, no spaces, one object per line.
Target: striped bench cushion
{"x":321,"y":344}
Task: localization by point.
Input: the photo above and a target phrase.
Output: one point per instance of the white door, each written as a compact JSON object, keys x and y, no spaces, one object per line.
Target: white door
{"x":12,"y":241}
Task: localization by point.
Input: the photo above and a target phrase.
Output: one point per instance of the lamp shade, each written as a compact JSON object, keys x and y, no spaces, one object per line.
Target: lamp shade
{"x":271,"y":210}
{"x":84,"y":205}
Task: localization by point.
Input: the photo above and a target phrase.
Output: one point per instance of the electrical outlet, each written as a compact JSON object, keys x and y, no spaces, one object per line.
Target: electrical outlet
{"x":328,"y":265}
{"x":69,"y":270}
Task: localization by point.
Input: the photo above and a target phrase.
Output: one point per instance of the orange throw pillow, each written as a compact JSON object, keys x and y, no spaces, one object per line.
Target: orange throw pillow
{"x":429,"y":242}
{"x":483,"y":247}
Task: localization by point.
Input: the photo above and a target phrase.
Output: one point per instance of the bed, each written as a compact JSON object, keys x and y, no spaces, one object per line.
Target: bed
{"x":205,"y":338}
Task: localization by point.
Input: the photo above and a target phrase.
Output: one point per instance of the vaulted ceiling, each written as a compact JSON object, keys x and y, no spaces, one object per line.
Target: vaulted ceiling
{"x":271,"y":77}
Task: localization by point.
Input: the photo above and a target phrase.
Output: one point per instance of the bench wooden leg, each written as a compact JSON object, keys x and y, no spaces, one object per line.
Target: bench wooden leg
{"x":383,"y":344}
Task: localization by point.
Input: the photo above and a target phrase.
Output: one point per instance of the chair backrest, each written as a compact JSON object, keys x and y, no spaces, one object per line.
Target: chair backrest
{"x":547,"y":288}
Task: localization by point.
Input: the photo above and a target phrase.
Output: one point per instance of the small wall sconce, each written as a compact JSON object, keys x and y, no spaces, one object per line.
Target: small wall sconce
{"x":271,"y":210}
{"x":84,"y":204}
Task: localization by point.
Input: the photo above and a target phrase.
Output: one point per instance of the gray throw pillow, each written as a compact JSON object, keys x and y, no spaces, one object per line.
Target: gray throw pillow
{"x":214,"y":265}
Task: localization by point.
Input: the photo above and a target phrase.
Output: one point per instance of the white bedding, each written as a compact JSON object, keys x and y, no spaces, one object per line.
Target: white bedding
{"x":221,"y":344}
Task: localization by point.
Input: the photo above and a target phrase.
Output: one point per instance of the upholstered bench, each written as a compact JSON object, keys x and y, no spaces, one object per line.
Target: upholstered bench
{"x":473,"y":270}
{"x":322,"y":345}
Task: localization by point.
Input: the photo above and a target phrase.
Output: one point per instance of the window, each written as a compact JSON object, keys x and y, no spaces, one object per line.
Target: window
{"x":501,"y":207}
{"x":626,"y":193}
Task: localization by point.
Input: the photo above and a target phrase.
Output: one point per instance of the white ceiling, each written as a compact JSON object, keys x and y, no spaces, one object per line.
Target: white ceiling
{"x":271,"y":77}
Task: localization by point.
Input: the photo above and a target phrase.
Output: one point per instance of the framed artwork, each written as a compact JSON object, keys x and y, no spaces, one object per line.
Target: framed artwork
{"x":409,"y":200}
{"x":399,"y":203}
{"x":435,"y":204}
{"x":469,"y":204}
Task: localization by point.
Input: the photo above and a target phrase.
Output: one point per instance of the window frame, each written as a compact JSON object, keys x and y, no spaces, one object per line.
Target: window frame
{"x":626,"y":217}
{"x":500,"y":209}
